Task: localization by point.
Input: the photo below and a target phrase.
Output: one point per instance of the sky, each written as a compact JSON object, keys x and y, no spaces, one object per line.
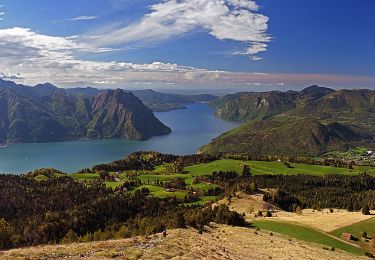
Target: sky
{"x":222,"y":45}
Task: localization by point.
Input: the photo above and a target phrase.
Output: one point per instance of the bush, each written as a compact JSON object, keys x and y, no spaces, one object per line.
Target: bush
{"x":366,"y":210}
{"x":70,"y":237}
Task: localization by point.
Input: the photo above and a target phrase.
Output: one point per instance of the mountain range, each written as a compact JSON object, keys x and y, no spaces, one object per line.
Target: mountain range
{"x":45,"y":113}
{"x":296,"y":123}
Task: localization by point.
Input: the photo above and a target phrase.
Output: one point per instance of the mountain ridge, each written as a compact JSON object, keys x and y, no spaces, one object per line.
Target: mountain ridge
{"x":56,"y":115}
{"x":309,"y":122}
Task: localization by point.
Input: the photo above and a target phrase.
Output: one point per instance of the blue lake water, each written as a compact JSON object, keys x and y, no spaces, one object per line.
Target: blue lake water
{"x":191,"y":128}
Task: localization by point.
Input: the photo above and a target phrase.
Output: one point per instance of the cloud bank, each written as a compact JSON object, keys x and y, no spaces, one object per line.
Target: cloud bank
{"x":235,"y":20}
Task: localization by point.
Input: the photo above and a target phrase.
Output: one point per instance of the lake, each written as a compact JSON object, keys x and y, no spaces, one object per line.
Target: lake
{"x":191,"y":128}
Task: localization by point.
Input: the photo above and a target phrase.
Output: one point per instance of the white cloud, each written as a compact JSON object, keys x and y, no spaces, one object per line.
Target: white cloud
{"x":42,"y":58}
{"x":83,"y":17}
{"x":104,"y":82}
{"x":12,"y":76}
{"x":234,"y":20}
{"x":244,"y":4}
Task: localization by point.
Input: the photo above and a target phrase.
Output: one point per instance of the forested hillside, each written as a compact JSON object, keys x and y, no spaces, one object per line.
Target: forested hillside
{"x":311,"y":122}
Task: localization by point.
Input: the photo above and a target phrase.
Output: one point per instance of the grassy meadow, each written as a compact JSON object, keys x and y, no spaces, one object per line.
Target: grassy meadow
{"x":306,"y":234}
{"x":357,"y":229}
{"x":262,"y":167}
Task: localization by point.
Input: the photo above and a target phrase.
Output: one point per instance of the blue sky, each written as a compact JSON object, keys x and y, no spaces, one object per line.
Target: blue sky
{"x":275,"y":44}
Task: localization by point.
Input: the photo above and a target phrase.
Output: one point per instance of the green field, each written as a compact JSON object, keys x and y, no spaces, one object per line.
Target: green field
{"x":357,"y":229}
{"x":150,"y":179}
{"x":161,"y":173}
{"x":262,"y":167}
{"x":306,"y":234}
{"x":161,"y":193}
{"x":84,"y":176}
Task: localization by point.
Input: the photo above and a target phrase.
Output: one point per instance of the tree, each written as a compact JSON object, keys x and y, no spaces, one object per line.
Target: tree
{"x":8,"y":236}
{"x":253,"y":187}
{"x":179,"y":220}
{"x":366,"y":210}
{"x":104,"y":175}
{"x":70,"y":237}
{"x":246,"y":171}
{"x":299,"y":210}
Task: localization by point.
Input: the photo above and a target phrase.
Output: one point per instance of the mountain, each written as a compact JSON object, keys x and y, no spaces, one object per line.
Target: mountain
{"x":249,"y":106}
{"x":306,"y":123}
{"x":45,"y":113}
{"x":120,"y":114}
{"x":291,"y":138}
{"x":246,"y":106}
{"x":158,"y":101}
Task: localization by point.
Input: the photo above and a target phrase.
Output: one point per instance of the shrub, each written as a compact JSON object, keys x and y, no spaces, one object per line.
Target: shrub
{"x":366,"y":210}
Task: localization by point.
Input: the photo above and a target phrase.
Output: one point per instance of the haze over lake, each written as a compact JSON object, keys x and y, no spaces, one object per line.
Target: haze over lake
{"x":191,"y":128}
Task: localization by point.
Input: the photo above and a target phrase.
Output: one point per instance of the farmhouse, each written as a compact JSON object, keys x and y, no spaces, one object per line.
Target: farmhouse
{"x":347,"y":236}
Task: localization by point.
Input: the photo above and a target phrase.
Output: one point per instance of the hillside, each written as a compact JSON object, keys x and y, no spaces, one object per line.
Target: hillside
{"x":218,"y":242}
{"x":247,"y":106}
{"x":250,"y":106}
{"x":58,"y":116}
{"x":306,"y":137}
{"x":311,"y":122}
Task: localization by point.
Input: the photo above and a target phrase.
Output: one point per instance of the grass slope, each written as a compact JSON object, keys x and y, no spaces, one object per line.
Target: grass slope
{"x":357,"y":229}
{"x":306,"y":234}
{"x":220,"y":242}
{"x":260,"y":167}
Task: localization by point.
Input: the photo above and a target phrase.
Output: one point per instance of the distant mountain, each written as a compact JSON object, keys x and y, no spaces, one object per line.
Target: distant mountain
{"x":88,"y":91}
{"x":246,"y":106}
{"x":158,"y":101}
{"x":310,"y":122}
{"x":250,"y":106}
{"x":45,"y":113}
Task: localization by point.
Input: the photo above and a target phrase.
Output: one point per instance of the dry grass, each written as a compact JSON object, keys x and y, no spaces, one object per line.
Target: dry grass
{"x":245,"y":203}
{"x":218,"y":242}
{"x":322,"y":220}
